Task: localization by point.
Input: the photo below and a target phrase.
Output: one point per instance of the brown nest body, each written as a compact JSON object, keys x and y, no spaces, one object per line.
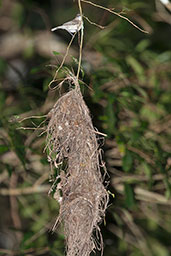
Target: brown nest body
{"x":71,"y":139}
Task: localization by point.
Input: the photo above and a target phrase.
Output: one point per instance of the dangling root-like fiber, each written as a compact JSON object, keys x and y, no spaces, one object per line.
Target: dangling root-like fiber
{"x":73,"y":149}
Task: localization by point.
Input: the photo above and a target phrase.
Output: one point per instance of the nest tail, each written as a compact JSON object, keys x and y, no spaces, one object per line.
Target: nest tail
{"x":73,"y":149}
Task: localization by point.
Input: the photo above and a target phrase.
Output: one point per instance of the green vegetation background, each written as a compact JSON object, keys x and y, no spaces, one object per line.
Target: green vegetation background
{"x":128,"y":74}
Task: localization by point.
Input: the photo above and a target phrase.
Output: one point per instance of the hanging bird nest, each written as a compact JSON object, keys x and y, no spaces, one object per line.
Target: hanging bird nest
{"x":73,"y":149}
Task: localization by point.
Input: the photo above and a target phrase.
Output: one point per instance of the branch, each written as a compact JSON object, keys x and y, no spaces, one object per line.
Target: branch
{"x":117,"y":14}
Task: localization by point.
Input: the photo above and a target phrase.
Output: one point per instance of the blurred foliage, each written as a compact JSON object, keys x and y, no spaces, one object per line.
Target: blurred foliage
{"x":128,"y":77}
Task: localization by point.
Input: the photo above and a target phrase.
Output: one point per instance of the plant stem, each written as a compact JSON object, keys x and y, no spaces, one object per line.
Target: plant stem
{"x":81,"y":42}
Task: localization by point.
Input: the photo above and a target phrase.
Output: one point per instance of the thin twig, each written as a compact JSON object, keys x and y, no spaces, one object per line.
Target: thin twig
{"x":24,"y":191}
{"x":93,"y":23}
{"x":100,"y":133}
{"x":30,"y":128}
{"x":117,"y":14}
{"x":31,"y":117}
{"x":81,"y":43}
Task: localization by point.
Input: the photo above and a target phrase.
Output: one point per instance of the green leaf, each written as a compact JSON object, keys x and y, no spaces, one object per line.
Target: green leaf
{"x":129,"y":196}
{"x":56,"y":53}
{"x":168,"y":188}
{"x":35,"y":70}
{"x":18,"y":13}
{"x":17,"y":143}
{"x":142,"y":45}
{"x":110,"y":114}
{"x":137,"y":67}
{"x":3,"y":149}
{"x":3,"y":66}
{"x":2,"y":102}
{"x":9,"y":169}
{"x":147,"y":170}
{"x":75,"y":60}
{"x":148,"y":113}
{"x":164,"y":57}
{"x":46,"y":83}
{"x":127,"y":161}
